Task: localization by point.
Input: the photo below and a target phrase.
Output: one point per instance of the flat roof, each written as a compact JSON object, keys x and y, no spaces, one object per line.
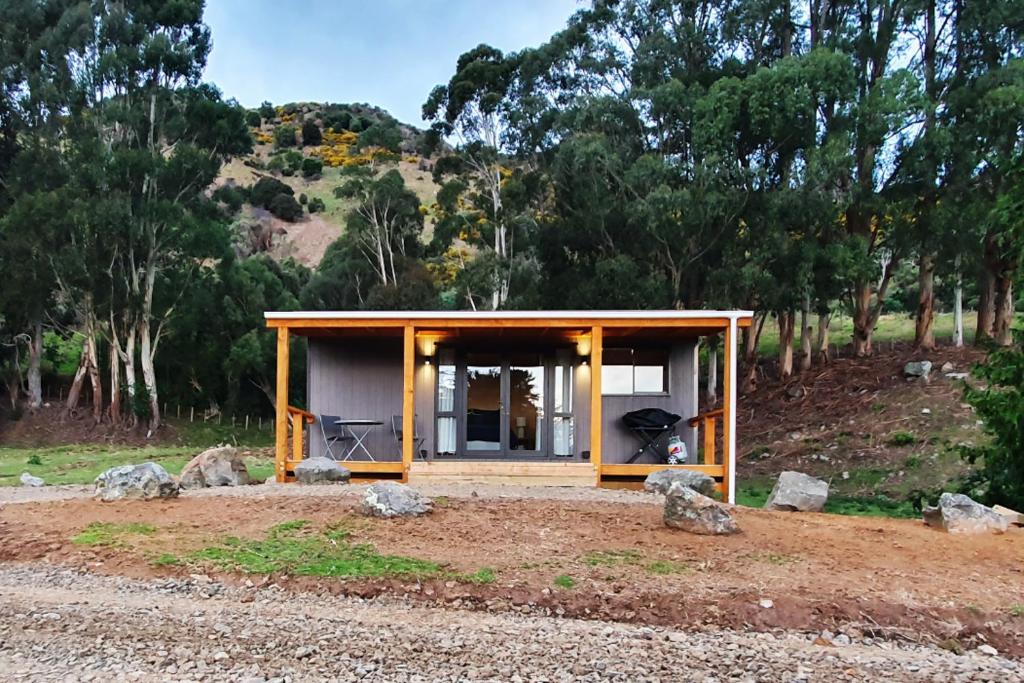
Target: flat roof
{"x":507,"y":315}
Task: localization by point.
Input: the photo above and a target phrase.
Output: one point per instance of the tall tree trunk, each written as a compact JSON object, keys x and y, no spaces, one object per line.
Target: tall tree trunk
{"x":958,"y":306}
{"x":986,"y":306}
{"x":115,"y":385}
{"x":786,"y":319}
{"x":806,"y":346}
{"x":94,"y":377}
{"x":149,"y":373}
{"x":924,"y":332}
{"x":751,"y":341}
{"x":711,"y":391}
{"x":35,"y":360}
{"x":822,"y":343}
{"x":862,"y":327}
{"x":1002,"y":333}
{"x":87,"y":367}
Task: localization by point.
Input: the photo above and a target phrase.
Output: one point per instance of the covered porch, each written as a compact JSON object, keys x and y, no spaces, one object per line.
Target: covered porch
{"x":524,"y":397}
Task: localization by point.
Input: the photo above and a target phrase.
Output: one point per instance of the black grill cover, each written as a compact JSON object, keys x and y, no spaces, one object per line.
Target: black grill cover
{"x":650,"y":419}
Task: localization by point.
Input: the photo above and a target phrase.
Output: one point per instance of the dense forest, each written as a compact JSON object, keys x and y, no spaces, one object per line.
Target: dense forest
{"x":799,"y":159}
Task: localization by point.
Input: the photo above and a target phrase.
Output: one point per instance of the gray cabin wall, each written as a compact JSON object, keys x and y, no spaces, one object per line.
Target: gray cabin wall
{"x":356,"y":380}
{"x":618,"y":444}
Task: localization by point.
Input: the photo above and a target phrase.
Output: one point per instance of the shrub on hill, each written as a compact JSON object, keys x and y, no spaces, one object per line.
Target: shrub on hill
{"x":284,"y":136}
{"x":253,"y":119}
{"x":312,"y":166}
{"x":266,"y":189}
{"x":316,"y":205}
{"x":311,"y":135}
{"x":267,"y":110}
{"x":384,"y":134}
{"x":285,"y":207}
{"x":231,"y":196}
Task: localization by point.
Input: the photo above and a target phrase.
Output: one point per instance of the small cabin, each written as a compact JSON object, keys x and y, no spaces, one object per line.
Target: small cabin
{"x":595,"y":398}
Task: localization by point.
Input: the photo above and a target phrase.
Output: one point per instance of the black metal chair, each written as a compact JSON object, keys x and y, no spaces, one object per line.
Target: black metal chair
{"x":332,"y":434}
{"x":651,"y":426}
{"x":397,"y":428}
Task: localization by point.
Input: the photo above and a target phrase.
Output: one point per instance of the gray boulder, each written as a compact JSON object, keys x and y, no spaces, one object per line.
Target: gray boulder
{"x":918,"y":368}
{"x":221,"y":466}
{"x":28,"y":480}
{"x":662,"y":480}
{"x":798,"y":492}
{"x":144,"y":481}
{"x":958,"y":514}
{"x":390,"y":499}
{"x":690,"y":511}
{"x":321,"y":471}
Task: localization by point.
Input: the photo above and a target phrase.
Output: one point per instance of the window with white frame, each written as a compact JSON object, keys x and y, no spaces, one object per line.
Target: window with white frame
{"x":634,"y":372}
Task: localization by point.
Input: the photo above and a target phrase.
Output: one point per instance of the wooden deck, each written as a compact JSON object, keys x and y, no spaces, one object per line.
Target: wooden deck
{"x":503,"y":473}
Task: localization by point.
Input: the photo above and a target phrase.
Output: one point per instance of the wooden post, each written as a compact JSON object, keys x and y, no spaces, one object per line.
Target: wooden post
{"x":709,"y":440}
{"x":408,"y":400}
{"x":596,"y":353}
{"x":729,"y":414}
{"x":281,"y":407}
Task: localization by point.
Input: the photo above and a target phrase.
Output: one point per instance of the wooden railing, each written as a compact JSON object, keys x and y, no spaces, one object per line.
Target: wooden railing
{"x":299,"y":419}
{"x":710,"y":422}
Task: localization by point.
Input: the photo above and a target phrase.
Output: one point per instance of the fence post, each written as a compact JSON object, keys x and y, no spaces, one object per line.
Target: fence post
{"x":191,"y":413}
{"x":247,"y":422}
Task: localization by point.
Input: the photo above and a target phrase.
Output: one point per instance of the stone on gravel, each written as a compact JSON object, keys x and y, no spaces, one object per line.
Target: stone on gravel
{"x":691,"y":511}
{"x":145,"y":481}
{"x":28,"y":480}
{"x":388,"y":499}
{"x":321,"y":471}
{"x":220,"y":466}
{"x":947,"y":368}
{"x":662,"y":480}
{"x":917,"y":368}
{"x":797,"y":492}
{"x":958,"y":514}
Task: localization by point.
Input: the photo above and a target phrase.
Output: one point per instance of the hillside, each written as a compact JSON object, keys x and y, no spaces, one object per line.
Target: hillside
{"x":350,"y":135}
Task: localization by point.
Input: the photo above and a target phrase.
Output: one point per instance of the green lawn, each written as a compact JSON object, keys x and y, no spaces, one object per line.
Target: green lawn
{"x":891,"y":327}
{"x":81,"y":464}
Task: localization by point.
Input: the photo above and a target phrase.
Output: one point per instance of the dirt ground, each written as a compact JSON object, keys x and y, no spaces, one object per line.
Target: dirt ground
{"x":880,"y":577}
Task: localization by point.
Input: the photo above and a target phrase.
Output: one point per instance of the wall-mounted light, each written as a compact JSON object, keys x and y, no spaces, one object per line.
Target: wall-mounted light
{"x":583,"y":360}
{"x":426,"y":360}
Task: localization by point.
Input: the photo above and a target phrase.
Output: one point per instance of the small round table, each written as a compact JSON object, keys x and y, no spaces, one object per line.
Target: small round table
{"x":364,"y":426}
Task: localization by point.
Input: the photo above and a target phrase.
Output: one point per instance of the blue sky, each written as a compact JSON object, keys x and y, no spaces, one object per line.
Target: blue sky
{"x":389,"y":53}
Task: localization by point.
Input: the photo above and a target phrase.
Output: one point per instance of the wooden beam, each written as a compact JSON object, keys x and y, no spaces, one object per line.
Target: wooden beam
{"x":281,"y":407}
{"x":639,"y":470}
{"x":596,"y":350}
{"x":499,"y":323}
{"x":729,"y":414}
{"x":408,"y":400}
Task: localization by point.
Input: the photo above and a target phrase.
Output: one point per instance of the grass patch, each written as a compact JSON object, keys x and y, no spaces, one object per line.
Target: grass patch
{"x":871,"y":506}
{"x":480,"y":577}
{"x":753,"y":494}
{"x":771,"y":558}
{"x":666,"y":567}
{"x":110,"y":534}
{"x":82,"y":463}
{"x":611,"y":558}
{"x":166,"y":560}
{"x":564,"y":581}
{"x":902,"y":439}
{"x":1016,"y":610}
{"x":286,"y":549}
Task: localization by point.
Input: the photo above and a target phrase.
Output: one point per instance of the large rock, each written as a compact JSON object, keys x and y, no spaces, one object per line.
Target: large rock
{"x":690,"y":511}
{"x":662,"y":480}
{"x":388,"y":499}
{"x":321,"y":471}
{"x":918,"y":368}
{"x":798,"y":492}
{"x":958,"y":514}
{"x":221,"y":466}
{"x":28,"y":480}
{"x":144,"y":481}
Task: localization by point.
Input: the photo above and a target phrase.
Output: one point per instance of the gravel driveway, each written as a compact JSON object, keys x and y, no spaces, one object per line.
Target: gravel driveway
{"x":63,"y":624}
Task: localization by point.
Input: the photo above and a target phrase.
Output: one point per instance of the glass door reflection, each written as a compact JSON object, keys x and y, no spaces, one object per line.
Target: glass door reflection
{"x":525,"y":400}
{"x":483,"y":403}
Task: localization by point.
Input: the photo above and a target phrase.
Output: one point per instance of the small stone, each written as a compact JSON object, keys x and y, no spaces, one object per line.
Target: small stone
{"x":987,"y":649}
{"x":926,"y":411}
{"x":947,"y":368}
{"x":959,"y":514}
{"x":389,"y":499}
{"x":29,"y":480}
{"x":321,"y":471}
{"x":765,"y":603}
{"x":145,"y":481}
{"x":662,"y":480}
{"x":691,"y":511}
{"x":921,"y":368}
{"x":796,"y":491}
{"x":220,"y":466}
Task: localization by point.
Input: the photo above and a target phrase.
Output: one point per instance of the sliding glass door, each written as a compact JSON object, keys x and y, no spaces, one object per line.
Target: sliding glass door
{"x":500,"y":405}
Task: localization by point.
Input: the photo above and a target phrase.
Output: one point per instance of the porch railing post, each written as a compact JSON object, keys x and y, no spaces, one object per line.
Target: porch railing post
{"x":729,"y":415}
{"x":596,"y":353}
{"x":408,"y":400}
{"x":281,"y":407}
